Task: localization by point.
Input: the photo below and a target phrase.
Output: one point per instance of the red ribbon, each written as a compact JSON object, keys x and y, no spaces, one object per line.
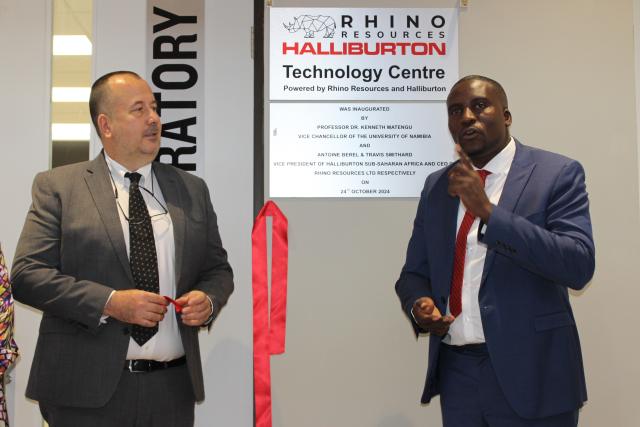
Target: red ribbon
{"x":172,"y":301}
{"x":268,"y":330}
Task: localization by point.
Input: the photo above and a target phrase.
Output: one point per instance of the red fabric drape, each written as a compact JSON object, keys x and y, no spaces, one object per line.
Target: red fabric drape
{"x":269,"y":322}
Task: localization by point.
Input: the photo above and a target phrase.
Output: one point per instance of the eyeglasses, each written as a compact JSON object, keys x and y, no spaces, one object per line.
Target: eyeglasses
{"x":115,"y":191}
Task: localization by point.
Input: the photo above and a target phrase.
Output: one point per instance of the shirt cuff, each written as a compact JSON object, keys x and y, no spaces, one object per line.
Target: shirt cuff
{"x":482,"y":229}
{"x":211,"y":316}
{"x":103,"y":318}
{"x":414,"y":316}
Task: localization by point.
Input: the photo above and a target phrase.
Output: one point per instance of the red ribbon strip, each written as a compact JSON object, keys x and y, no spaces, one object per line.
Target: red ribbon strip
{"x":172,"y":301}
{"x":268,"y":331}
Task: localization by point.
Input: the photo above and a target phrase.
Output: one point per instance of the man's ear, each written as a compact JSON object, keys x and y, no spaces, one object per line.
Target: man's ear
{"x":507,"y":117}
{"x":104,"y":125}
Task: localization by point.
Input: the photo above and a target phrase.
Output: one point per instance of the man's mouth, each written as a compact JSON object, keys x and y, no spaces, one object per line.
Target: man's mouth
{"x":469,"y":133}
{"x":151,"y":133}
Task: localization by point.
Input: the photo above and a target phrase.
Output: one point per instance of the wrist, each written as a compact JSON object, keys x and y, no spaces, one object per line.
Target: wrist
{"x":211,"y":316}
{"x":108,"y":306}
{"x":486,"y":212}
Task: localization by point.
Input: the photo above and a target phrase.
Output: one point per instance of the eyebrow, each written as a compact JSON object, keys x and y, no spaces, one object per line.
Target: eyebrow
{"x":476,"y":99}
{"x":142,"y":102}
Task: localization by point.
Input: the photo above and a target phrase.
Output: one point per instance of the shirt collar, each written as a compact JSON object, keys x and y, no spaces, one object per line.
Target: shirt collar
{"x":501,"y":163}
{"x":118,"y":171}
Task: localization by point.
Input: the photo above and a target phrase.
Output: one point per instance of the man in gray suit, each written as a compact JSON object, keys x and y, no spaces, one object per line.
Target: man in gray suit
{"x":111,"y":350}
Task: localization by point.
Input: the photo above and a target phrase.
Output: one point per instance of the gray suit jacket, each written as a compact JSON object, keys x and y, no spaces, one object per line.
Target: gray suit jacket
{"x":71,"y":255}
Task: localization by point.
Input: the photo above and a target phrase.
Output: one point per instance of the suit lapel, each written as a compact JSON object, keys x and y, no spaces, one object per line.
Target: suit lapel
{"x":514,"y":186}
{"x":167,"y":180}
{"x":443,"y":229}
{"x":97,"y":178}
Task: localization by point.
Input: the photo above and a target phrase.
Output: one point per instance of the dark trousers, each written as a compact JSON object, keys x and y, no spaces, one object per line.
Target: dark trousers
{"x":470,"y":395}
{"x":162,"y":398}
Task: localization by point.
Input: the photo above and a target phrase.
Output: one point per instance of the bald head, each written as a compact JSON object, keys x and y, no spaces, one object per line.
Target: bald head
{"x":100,"y":99}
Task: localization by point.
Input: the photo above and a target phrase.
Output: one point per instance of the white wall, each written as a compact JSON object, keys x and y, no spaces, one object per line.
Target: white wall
{"x":351,"y":360}
{"x":25,"y":40}
{"x":228,"y":361}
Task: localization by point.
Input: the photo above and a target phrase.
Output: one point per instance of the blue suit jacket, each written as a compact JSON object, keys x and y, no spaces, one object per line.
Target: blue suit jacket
{"x":539,"y":244}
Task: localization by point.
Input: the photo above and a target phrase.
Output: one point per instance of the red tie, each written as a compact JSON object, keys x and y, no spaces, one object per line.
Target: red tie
{"x":455,"y":299}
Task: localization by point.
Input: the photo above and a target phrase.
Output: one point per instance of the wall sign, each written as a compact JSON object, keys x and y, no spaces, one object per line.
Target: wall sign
{"x":356,"y":150}
{"x":175,"y":70}
{"x":362,"y":54}
{"x":362,"y":145}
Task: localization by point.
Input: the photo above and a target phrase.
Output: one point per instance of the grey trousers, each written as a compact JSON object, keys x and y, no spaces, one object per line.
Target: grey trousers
{"x":162,"y":398}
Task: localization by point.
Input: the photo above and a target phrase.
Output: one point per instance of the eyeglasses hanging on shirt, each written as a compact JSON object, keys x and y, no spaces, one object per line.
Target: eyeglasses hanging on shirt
{"x":151,"y":193}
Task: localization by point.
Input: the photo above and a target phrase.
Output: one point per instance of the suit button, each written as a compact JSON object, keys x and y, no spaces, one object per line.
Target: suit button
{"x":126,"y":330}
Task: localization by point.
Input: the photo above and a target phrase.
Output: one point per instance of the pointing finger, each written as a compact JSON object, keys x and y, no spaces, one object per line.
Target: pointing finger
{"x":464,"y":159}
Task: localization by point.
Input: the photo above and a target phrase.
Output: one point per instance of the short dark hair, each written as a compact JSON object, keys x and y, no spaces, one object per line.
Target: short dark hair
{"x":98,"y":96}
{"x":501,"y":92}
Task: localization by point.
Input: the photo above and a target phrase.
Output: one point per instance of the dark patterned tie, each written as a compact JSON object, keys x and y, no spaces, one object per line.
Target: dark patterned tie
{"x":455,"y":297}
{"x":142,"y":251}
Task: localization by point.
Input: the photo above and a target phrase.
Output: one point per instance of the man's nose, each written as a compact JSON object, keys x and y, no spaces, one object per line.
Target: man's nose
{"x":154,"y":117}
{"x":468,"y":116}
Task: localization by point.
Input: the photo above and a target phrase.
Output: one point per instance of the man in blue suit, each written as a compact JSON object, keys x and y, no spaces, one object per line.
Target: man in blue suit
{"x":488,"y":270}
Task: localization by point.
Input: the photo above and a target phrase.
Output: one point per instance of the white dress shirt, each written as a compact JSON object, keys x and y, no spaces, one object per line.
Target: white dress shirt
{"x":467,"y":327}
{"x":166,"y":343}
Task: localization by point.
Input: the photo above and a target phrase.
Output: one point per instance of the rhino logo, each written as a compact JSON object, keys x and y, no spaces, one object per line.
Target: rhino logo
{"x":313,"y":24}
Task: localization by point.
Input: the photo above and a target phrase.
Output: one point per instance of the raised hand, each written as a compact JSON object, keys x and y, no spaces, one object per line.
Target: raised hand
{"x":465,"y":182}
